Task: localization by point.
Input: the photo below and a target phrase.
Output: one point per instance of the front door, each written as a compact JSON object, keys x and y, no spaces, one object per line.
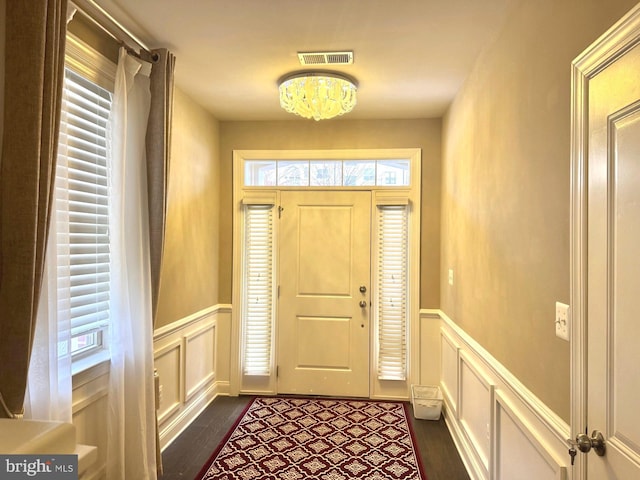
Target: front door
{"x":613,"y":266}
{"x":323,"y":307}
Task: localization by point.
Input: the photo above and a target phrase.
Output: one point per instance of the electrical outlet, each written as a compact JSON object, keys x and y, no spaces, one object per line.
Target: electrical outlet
{"x":451,"y":276}
{"x":562,"y":321}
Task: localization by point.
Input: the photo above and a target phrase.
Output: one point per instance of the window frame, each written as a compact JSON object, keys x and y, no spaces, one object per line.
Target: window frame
{"x":381,"y":195}
{"x":98,"y":69}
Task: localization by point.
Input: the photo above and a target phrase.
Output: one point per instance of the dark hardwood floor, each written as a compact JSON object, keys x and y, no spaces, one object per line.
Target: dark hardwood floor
{"x":184,"y":458}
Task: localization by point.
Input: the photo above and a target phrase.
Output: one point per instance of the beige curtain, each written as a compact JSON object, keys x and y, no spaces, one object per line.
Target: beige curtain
{"x":158,"y":152}
{"x":34,"y":70}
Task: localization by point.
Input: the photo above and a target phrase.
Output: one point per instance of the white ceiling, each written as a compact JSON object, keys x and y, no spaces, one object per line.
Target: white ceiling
{"x":410,"y":56}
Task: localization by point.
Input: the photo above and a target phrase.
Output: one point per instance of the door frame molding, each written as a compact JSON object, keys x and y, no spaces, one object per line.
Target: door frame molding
{"x":414,"y":155}
{"x":607,"y":49}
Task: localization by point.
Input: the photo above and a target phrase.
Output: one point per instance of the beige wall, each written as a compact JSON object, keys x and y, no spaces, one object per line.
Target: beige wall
{"x":288,"y":135}
{"x":505,"y":190}
{"x":189,"y":279}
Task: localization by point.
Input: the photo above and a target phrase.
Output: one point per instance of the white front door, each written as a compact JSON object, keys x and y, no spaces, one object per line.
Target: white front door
{"x":323,"y":329}
{"x":613,"y":265}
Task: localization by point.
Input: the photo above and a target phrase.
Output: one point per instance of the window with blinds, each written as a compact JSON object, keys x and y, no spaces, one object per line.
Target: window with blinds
{"x":392,"y":292}
{"x":83,"y":200}
{"x":257,"y":303}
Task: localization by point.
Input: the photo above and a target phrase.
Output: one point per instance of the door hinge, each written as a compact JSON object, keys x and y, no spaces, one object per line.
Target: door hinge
{"x":280,"y":210}
{"x":277,"y":371}
{"x":278,"y":291}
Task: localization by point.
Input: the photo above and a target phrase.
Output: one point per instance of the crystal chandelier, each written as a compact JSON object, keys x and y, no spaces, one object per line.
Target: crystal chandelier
{"x":317,"y":95}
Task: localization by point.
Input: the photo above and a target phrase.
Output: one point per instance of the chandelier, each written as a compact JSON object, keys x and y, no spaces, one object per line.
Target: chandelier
{"x":317,"y":95}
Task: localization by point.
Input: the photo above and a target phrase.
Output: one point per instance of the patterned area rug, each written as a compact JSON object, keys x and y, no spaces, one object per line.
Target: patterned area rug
{"x":317,"y":439}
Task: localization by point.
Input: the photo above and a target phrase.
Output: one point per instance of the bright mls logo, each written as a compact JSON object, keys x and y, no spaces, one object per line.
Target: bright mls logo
{"x":51,"y":467}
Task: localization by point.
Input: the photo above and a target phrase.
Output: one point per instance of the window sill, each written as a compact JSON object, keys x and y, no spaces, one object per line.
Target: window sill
{"x":90,"y":367}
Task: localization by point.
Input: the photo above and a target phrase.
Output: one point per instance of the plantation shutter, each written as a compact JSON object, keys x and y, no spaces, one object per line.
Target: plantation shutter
{"x":258,"y":303}
{"x":83,"y":178}
{"x":392,"y":291}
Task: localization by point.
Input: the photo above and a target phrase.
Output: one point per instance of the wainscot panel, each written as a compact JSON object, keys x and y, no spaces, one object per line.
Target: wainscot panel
{"x":500,"y":428}
{"x":185,"y":359}
{"x":518,"y":438}
{"x":475,"y":410}
{"x":89,"y":410}
{"x":449,"y":353}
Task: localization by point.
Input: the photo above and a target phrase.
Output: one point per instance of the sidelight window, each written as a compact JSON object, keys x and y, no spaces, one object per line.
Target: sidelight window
{"x":257,"y":303}
{"x":391,"y":299}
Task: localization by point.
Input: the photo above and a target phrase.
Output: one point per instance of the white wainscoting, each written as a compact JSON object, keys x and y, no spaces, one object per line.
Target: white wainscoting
{"x":89,"y":410}
{"x":502,"y":430}
{"x":185,"y":355}
{"x":191,"y":356}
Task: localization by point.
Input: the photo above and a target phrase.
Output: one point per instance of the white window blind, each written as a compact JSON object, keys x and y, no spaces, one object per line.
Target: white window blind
{"x":392,"y":292}
{"x":83,"y":175}
{"x":258,"y":302}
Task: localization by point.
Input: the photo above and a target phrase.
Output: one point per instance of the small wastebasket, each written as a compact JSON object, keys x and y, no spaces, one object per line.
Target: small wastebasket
{"x":427,"y":402}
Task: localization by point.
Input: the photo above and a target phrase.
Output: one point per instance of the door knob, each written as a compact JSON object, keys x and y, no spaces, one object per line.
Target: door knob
{"x":363,"y":303}
{"x":584,"y":443}
{"x":363,"y":289}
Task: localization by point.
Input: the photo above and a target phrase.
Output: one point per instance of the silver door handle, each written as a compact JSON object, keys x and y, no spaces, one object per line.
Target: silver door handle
{"x":585,"y":443}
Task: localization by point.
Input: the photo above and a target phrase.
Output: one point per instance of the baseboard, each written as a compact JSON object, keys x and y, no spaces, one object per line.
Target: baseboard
{"x":463,"y":449}
{"x":172,"y":430}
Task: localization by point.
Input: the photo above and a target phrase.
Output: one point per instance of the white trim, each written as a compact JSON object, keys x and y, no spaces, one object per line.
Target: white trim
{"x":176,"y":345}
{"x":392,"y":197}
{"x":173,"y":327}
{"x":545,"y":451}
{"x":608,"y":48}
{"x":260,"y":197}
{"x":179,"y":424}
{"x":338,"y":154}
{"x":89,"y":63}
{"x":451,"y":398}
{"x":482,"y":459}
{"x":89,"y":400}
{"x":210,"y":376}
{"x":553,"y":422}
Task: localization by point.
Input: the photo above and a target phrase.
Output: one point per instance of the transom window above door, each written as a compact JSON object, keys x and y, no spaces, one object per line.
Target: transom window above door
{"x":327,"y":173}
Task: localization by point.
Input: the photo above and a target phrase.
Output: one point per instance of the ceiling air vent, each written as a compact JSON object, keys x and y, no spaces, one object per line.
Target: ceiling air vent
{"x":325,"y":58}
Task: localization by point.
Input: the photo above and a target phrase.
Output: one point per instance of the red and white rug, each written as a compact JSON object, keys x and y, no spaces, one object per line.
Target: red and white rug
{"x":317,"y":439}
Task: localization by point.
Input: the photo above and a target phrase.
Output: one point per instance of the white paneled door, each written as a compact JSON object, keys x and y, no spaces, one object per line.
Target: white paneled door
{"x":613,"y":261}
{"x":324,"y":300}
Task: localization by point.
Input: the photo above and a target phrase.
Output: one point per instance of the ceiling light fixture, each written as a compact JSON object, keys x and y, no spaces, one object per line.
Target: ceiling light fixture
{"x":317,"y":95}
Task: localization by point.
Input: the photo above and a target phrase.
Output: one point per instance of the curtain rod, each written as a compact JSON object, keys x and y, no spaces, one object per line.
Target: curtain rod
{"x":108,"y":24}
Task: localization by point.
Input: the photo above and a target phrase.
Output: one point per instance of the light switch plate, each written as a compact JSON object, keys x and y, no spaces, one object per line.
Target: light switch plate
{"x":563,"y":321}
